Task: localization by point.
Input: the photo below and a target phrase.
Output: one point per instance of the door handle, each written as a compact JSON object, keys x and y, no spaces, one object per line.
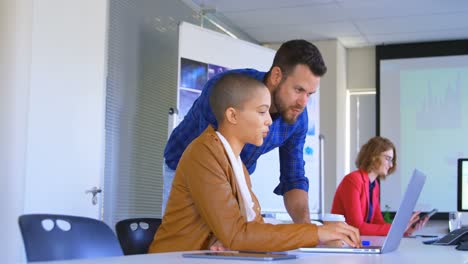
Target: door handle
{"x":95,"y":190}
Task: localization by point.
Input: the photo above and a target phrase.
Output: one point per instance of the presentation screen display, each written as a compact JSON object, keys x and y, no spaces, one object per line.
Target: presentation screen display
{"x":423,"y":107}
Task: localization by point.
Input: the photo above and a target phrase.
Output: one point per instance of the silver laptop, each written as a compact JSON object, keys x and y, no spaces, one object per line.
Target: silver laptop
{"x":402,"y":217}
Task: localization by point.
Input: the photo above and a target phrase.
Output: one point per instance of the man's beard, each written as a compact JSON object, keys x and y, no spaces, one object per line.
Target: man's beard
{"x":282,"y":109}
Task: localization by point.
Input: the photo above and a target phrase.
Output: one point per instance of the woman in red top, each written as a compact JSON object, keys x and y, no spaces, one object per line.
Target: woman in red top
{"x":357,"y":196}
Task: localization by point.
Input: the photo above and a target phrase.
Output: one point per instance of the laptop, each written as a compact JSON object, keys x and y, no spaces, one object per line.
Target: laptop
{"x":397,"y":230}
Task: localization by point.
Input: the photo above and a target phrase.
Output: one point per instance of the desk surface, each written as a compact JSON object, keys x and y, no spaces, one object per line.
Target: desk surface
{"x":411,"y":251}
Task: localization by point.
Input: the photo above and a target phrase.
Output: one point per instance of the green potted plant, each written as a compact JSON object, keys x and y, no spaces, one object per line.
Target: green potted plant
{"x":386,"y":214}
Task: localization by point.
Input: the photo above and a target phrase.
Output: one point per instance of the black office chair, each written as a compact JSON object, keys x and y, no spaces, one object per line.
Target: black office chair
{"x":50,"y":237}
{"x":136,"y":234}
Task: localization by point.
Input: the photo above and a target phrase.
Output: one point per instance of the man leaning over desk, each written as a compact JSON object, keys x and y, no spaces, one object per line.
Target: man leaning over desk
{"x":293,"y":77}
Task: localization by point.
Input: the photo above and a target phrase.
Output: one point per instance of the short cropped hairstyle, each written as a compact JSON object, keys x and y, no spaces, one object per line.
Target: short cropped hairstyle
{"x":367,"y":158}
{"x":232,"y":90}
{"x":299,"y":51}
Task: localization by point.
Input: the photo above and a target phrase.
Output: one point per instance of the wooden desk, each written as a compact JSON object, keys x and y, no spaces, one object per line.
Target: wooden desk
{"x":411,"y":251}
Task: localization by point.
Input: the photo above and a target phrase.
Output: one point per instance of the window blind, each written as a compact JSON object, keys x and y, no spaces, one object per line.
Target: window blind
{"x":141,"y":87}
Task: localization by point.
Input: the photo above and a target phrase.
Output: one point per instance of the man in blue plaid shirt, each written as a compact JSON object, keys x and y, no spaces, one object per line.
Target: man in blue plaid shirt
{"x":293,"y":77}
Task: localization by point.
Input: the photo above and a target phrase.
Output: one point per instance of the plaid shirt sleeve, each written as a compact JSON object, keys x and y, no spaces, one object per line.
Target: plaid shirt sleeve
{"x":292,"y":175}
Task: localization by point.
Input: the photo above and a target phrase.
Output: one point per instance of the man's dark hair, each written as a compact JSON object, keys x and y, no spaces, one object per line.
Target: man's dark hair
{"x":232,"y":90}
{"x":299,"y":51}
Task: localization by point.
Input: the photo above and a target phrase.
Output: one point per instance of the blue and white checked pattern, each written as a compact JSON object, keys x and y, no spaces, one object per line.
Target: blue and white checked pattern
{"x":289,"y":138}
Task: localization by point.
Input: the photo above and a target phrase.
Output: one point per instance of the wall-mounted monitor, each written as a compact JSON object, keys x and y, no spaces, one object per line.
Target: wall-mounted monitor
{"x":462,"y":194}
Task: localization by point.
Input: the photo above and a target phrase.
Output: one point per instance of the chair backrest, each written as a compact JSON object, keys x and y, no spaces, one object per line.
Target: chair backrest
{"x":136,"y":234}
{"x":61,"y":237}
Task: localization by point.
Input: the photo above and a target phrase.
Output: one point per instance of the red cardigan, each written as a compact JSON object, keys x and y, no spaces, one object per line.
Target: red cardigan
{"x":352,"y":201}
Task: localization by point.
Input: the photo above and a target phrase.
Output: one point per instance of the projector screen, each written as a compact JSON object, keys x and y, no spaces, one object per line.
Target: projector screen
{"x":423,"y":107}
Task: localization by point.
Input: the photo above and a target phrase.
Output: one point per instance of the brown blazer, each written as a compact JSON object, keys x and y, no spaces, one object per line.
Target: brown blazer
{"x":204,"y":204}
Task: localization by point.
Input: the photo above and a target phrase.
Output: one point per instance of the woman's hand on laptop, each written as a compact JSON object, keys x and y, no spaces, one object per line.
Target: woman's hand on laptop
{"x":218,"y":246}
{"x":339,"y":231}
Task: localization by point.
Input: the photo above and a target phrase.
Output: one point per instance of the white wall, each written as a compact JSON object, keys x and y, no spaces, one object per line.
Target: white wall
{"x":15,"y":56}
{"x":340,"y":115}
{"x":51,"y":61}
{"x":361,"y":85}
{"x":361,"y":68}
{"x":65,"y":144}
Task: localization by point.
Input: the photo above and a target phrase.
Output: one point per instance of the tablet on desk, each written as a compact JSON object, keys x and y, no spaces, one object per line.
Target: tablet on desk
{"x":261,"y":256}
